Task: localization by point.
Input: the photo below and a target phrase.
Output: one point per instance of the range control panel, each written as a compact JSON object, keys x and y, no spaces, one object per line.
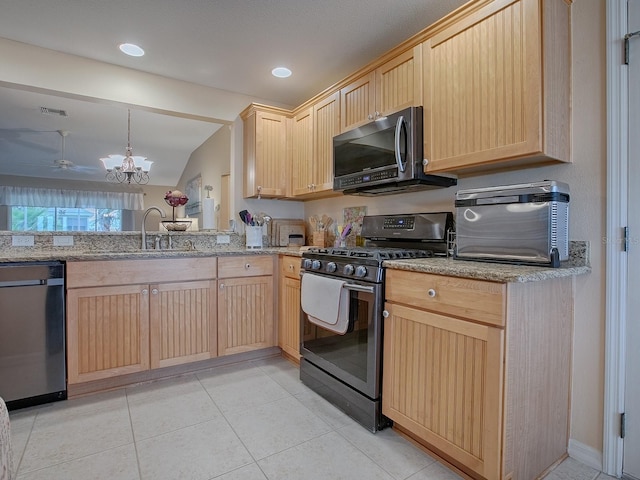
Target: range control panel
{"x":396,"y":222}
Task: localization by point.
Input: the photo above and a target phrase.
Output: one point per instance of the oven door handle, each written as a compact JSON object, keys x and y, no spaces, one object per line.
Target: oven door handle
{"x":357,"y":288}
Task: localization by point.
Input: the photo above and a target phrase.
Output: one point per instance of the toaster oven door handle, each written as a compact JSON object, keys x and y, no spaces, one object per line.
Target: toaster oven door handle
{"x":358,"y":288}
{"x":401,"y":165}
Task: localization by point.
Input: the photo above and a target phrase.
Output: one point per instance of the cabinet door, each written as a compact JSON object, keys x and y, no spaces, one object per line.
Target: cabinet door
{"x":442,"y":380}
{"x":357,"y":102}
{"x":289,"y":321}
{"x":486,"y":98}
{"x":245,"y":314}
{"x":399,"y":82}
{"x":326,"y":124}
{"x":303,"y":161}
{"x":107,"y":332}
{"x":265,"y":144}
{"x":182,"y":322}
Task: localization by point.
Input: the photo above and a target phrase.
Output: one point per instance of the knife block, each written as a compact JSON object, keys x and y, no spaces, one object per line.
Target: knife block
{"x":319,"y":239}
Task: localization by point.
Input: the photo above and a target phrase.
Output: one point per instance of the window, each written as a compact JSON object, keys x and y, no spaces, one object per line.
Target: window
{"x":44,"y":219}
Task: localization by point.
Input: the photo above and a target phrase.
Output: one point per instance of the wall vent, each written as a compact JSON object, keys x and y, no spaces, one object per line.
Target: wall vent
{"x":53,"y":111}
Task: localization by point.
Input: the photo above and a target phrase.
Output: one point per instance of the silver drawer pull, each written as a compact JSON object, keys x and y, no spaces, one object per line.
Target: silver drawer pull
{"x":247,"y":266}
{"x":385,"y":314}
{"x":431,"y":292}
{"x":154,"y":291}
{"x":145,"y":291}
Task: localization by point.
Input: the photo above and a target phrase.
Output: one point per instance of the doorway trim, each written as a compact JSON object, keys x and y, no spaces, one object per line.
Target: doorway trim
{"x":616,"y":258}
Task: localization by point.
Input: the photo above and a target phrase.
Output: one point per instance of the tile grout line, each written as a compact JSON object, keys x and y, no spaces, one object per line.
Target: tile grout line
{"x":133,"y":435}
{"x":26,"y":444}
{"x":232,"y":429}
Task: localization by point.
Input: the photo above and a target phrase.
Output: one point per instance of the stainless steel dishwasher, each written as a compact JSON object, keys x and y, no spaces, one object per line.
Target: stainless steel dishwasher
{"x":32,"y":333}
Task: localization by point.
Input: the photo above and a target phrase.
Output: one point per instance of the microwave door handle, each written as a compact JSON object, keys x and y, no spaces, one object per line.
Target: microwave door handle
{"x":401,"y":165}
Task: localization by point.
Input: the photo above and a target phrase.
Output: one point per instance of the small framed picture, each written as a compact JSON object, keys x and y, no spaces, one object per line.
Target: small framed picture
{"x":193,"y":190}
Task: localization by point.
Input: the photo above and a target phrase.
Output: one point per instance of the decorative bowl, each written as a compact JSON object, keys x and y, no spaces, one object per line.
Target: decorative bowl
{"x":176,"y":225}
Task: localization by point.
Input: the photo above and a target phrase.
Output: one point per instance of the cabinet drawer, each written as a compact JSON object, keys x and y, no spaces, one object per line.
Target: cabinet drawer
{"x":290,"y":267}
{"x":477,"y":300}
{"x":245,"y":266}
{"x":99,"y":273}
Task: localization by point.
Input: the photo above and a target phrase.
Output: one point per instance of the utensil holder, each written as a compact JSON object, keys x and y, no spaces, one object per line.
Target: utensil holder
{"x":254,"y":236}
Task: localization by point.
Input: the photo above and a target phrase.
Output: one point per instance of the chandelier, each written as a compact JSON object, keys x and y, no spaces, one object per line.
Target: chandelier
{"x":127,"y":168}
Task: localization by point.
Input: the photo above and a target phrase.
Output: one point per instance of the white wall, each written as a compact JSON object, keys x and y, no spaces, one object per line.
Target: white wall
{"x":211,"y":160}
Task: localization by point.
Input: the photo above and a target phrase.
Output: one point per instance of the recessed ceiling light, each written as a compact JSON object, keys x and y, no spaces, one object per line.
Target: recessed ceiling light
{"x":281,"y":72}
{"x":131,"y":49}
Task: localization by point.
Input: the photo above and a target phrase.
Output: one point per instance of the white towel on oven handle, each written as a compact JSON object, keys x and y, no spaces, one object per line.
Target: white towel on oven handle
{"x":326,"y":302}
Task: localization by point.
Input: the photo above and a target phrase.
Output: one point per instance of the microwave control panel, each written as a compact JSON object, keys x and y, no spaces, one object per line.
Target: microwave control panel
{"x":365,"y":178}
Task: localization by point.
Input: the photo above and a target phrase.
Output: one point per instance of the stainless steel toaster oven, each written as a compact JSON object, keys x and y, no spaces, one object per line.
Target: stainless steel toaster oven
{"x":524,"y":223}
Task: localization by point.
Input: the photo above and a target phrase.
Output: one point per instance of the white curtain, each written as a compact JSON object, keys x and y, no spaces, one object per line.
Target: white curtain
{"x":50,"y":197}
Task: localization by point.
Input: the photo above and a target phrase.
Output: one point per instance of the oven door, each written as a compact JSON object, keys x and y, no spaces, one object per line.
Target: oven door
{"x":355,"y":357}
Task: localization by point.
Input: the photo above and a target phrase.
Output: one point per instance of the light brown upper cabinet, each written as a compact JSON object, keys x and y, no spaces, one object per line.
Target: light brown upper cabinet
{"x":497,"y":87}
{"x":312,"y":148}
{"x":265,"y":151}
{"x":394,"y":85}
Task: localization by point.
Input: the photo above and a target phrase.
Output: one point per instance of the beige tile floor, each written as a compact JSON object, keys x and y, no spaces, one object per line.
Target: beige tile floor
{"x":249,"y":421}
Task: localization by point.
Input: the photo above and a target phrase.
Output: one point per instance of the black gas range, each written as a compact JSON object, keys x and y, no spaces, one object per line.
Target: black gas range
{"x":344,"y":365}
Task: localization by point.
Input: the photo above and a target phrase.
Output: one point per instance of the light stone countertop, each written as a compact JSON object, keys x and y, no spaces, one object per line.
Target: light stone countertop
{"x":75,"y":255}
{"x":578,"y":264}
{"x":496,"y":272}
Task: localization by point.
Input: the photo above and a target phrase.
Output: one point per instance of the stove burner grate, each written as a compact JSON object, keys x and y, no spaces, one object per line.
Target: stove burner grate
{"x":379,"y":254}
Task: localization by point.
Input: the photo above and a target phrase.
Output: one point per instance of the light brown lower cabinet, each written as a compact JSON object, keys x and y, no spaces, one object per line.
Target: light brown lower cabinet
{"x":245,"y":303}
{"x":479,"y":372}
{"x":183,"y":322}
{"x":289,"y":307}
{"x":120,"y":320}
{"x":107,"y":332}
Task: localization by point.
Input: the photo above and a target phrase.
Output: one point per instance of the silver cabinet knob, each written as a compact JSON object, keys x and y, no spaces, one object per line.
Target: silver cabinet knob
{"x":425,"y":162}
{"x":247,"y":266}
{"x":291,"y":267}
{"x":221,"y":287}
{"x":154,"y":291}
{"x":145,"y":291}
{"x":431,"y":292}
{"x":385,"y":314}
{"x":377,"y":114}
{"x":370,"y":117}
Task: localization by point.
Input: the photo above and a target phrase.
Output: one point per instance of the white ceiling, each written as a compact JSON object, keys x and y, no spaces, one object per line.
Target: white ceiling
{"x":227,"y":44}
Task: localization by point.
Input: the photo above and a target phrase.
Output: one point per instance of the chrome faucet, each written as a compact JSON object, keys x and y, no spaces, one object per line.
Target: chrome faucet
{"x":144,"y":228}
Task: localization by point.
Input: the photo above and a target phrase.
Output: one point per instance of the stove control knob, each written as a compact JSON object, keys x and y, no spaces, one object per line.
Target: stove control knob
{"x":315,"y":265}
{"x":361,"y":271}
{"x":331,"y":267}
{"x":348,"y":269}
{"x":306,"y":263}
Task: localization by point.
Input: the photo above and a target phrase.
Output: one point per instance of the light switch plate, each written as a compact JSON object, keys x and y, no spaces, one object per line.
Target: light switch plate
{"x":22,"y":240}
{"x":223,"y":239}
{"x":63,"y":241}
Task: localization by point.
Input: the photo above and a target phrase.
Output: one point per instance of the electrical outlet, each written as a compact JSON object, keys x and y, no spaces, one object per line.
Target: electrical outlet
{"x":22,"y":240}
{"x":63,"y":241}
{"x":223,"y":239}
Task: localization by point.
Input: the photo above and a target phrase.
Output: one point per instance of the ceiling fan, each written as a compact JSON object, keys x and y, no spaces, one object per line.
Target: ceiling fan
{"x":63,"y":163}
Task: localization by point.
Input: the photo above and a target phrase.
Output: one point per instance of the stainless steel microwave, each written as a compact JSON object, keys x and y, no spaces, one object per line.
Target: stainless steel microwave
{"x":384,"y":157}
